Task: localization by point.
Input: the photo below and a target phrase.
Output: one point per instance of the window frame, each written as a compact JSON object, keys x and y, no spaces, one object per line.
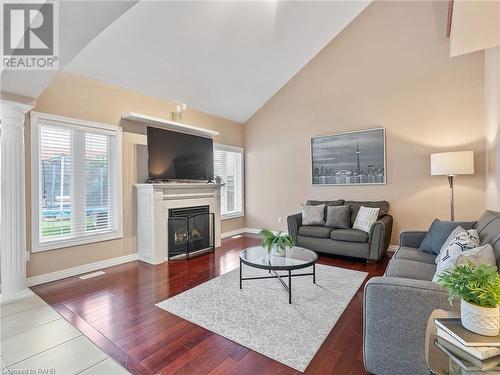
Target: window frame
{"x":36,"y":176}
{"x":241,"y":150}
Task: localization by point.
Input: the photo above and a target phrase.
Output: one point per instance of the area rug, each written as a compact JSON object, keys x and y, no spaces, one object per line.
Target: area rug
{"x":259,"y":316}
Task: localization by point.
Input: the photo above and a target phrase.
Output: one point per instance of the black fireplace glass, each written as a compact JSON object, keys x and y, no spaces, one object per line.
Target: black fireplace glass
{"x":188,"y":230}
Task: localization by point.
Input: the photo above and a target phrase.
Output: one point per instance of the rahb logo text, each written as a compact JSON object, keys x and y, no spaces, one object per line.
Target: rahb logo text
{"x":30,"y":36}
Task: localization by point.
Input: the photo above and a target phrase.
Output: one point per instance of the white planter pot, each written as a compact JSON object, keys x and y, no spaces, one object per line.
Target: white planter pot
{"x":482,"y":320}
{"x":278,"y":251}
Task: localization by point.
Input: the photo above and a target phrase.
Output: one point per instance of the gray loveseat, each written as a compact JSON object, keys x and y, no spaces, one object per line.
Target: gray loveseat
{"x":398,"y":305}
{"x":347,"y":242}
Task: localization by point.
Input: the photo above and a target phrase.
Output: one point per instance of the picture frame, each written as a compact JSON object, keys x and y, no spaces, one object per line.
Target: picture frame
{"x":349,"y":158}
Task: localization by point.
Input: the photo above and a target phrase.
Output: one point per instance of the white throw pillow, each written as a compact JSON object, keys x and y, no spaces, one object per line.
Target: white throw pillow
{"x":465,"y":244}
{"x":450,"y":238}
{"x":478,"y":255}
{"x":365,"y":218}
{"x":313,"y":215}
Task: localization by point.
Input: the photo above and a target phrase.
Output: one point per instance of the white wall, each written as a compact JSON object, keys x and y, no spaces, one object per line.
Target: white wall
{"x":492,"y":119}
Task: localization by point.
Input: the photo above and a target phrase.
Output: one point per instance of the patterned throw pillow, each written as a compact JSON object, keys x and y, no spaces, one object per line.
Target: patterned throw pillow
{"x":464,"y":241}
{"x":313,"y":215}
{"x":365,"y":218}
{"x":447,"y":243}
{"x":478,"y":255}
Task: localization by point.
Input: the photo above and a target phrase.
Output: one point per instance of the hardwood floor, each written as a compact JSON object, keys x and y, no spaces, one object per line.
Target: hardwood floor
{"x":117,"y":312}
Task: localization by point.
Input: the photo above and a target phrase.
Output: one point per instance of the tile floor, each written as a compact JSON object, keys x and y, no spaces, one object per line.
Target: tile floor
{"x":36,"y":339}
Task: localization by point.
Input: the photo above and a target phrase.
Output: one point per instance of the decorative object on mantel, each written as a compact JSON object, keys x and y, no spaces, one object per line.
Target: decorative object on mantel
{"x":452,"y":164}
{"x":479,"y":290}
{"x":180,"y":110}
{"x":354,"y":158}
{"x":276,"y":244}
{"x":220,"y":185}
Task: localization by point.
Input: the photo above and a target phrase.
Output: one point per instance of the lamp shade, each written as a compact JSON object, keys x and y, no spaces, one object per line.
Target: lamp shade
{"x":452,"y":163}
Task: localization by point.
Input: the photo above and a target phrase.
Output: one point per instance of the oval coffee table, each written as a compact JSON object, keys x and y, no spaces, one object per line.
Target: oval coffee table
{"x":295,"y":258}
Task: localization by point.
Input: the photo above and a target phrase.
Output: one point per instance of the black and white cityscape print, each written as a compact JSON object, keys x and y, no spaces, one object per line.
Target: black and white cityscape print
{"x":349,"y":158}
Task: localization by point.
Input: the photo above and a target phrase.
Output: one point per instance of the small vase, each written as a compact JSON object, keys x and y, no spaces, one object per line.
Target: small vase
{"x":482,"y":320}
{"x":278,"y":251}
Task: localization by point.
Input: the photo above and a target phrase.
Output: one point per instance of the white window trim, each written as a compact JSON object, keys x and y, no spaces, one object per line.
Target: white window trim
{"x":223,"y":147}
{"x":36,"y":246}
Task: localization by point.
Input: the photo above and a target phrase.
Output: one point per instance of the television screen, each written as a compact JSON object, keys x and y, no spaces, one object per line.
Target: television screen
{"x":179,"y":156}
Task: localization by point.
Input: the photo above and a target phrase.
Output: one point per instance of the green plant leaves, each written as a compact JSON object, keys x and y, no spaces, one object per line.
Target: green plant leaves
{"x":479,"y":285}
{"x":271,"y":240}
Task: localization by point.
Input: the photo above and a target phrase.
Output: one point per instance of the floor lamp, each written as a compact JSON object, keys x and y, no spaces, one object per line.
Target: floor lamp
{"x":452,"y":164}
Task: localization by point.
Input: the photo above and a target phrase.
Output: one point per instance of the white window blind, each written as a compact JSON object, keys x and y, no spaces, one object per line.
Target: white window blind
{"x":76,"y":170}
{"x":228,"y":165}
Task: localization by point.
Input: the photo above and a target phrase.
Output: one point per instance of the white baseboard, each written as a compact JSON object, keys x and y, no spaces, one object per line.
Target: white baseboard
{"x":257,"y":231}
{"x":73,"y":271}
{"x":232,"y":233}
{"x":243,"y":230}
{"x":392,"y":248}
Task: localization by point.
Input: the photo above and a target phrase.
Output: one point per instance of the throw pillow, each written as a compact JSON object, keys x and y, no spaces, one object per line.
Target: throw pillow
{"x":478,"y":255}
{"x":365,"y":218}
{"x":313,"y":215}
{"x":450,"y":238}
{"x":338,"y":217}
{"x":439,"y":232}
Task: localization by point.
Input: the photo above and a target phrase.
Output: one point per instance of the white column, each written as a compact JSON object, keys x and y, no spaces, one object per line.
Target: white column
{"x":12,"y":202}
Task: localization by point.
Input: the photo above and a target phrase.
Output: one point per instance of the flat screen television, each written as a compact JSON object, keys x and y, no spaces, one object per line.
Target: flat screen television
{"x":179,"y":156}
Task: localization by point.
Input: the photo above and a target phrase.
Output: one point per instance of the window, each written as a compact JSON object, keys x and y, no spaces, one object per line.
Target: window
{"x":228,"y":165}
{"x":76,"y":182}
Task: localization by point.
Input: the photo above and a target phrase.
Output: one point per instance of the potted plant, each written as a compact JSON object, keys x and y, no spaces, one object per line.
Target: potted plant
{"x":276,"y":243}
{"x":479,"y":290}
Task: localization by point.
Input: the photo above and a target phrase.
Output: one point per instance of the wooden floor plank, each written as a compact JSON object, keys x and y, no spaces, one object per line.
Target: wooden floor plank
{"x":117,"y":312}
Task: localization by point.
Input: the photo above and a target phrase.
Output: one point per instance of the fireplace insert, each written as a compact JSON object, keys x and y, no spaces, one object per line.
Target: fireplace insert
{"x":190,"y":229}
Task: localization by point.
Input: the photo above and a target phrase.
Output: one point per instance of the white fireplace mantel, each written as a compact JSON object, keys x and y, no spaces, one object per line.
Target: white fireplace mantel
{"x":153,"y":204}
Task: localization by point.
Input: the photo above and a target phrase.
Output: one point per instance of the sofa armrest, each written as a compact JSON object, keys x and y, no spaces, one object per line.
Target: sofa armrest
{"x":380,"y":237}
{"x":294,"y":223}
{"x":411,"y":238}
{"x":396,"y":312}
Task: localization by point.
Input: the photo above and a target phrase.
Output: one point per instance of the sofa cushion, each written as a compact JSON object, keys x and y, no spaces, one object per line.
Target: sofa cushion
{"x":338,"y":202}
{"x":365,"y":218}
{"x":338,"y":217}
{"x":411,"y":253}
{"x":464,"y":240}
{"x":349,"y":235}
{"x":356,"y":205}
{"x":488,"y":228}
{"x":478,"y":255}
{"x":410,"y":269}
{"x":318,"y":231}
{"x":313,"y":215}
{"x":439,"y":232}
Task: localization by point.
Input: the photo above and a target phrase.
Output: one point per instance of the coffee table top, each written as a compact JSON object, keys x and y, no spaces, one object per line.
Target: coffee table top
{"x":295,"y":258}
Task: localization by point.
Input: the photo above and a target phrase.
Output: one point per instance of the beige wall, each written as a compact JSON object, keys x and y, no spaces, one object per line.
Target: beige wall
{"x":390,"y":67}
{"x":492,"y":120}
{"x":475,"y":26}
{"x":83,"y":98}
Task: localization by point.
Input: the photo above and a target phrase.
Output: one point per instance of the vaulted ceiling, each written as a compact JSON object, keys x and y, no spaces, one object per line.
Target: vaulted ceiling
{"x":223,"y":57}
{"x":80,"y":22}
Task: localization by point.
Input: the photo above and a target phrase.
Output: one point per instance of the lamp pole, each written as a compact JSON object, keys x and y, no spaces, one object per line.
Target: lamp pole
{"x":451,"y":182}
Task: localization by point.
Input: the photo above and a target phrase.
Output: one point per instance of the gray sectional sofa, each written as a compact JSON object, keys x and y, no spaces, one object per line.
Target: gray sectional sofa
{"x":398,"y":305}
{"x":347,"y":242}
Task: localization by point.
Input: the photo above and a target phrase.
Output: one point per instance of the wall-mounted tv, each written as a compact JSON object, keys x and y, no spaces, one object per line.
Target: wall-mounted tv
{"x":179,"y":156}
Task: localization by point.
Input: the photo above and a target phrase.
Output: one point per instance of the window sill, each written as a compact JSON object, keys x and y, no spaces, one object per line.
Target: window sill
{"x":78,"y":241}
{"x":235,"y":215}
